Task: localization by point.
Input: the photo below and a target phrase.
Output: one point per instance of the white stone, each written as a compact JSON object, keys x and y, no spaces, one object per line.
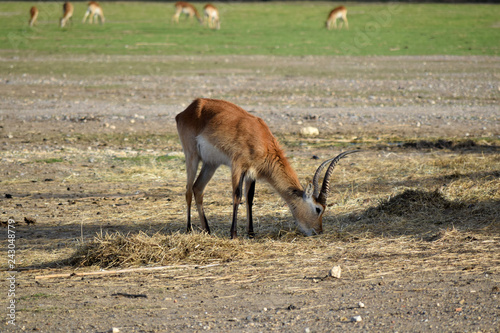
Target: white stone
{"x":335,"y":272}
{"x":356,"y":319}
{"x":309,"y":131}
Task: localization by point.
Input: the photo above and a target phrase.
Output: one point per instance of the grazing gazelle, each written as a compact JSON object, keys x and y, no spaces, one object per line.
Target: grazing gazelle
{"x":94,"y":12}
{"x":218,"y":132}
{"x":33,"y":15}
{"x":182,"y":7}
{"x":212,"y":15}
{"x":67,"y":13}
{"x":338,"y":13}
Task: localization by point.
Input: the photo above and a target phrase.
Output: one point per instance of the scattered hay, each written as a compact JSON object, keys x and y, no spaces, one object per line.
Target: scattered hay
{"x":113,"y":250}
{"x":412,"y":216}
{"x":451,"y":249}
{"x":421,"y":214}
{"x":414,"y":201}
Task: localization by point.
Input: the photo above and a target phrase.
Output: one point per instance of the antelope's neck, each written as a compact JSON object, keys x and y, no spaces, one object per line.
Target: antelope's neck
{"x":284,"y":179}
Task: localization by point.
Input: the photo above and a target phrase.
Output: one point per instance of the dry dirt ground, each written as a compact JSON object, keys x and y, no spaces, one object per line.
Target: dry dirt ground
{"x":92,"y":150}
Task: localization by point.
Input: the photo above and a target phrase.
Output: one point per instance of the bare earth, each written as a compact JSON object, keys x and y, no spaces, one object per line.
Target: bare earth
{"x":65,"y":137}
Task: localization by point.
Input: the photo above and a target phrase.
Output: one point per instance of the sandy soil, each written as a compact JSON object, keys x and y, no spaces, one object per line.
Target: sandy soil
{"x":90,"y":121}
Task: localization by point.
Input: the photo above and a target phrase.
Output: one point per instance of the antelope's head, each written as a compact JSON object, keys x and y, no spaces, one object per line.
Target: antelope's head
{"x":308,"y":210}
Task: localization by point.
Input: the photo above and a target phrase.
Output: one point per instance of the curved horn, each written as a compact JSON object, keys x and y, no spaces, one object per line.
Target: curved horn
{"x":316,"y":177}
{"x":325,"y":188}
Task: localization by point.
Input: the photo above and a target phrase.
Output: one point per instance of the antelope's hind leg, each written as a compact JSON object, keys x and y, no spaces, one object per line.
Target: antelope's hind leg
{"x":191,"y":169}
{"x":206,"y":173}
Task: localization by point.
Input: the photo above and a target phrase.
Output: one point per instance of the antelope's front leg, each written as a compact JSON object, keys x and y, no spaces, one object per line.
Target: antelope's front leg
{"x":237,"y":180}
{"x":250,"y":192}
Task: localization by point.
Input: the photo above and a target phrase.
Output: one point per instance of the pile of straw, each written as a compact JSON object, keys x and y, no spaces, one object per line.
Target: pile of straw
{"x":114,"y":250}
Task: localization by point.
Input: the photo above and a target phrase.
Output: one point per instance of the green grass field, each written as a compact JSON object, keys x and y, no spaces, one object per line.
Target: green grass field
{"x":268,"y":28}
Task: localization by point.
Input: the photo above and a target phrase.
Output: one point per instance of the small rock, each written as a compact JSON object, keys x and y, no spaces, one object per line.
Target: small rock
{"x":356,"y":319}
{"x":309,"y":131}
{"x":361,"y":304}
{"x":114,"y":330}
{"x":335,"y":272}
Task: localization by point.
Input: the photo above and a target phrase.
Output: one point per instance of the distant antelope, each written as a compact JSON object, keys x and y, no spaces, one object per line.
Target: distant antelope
{"x":33,"y":15}
{"x":182,"y":7}
{"x":67,"y":13}
{"x":212,"y":15}
{"x":94,"y":12}
{"x":217,"y":132}
{"x":338,"y":13}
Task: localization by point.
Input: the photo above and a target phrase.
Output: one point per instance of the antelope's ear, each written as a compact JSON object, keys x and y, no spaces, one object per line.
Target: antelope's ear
{"x":309,"y":191}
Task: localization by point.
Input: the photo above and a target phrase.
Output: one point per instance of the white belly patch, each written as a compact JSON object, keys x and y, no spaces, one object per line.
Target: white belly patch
{"x":211,"y":154}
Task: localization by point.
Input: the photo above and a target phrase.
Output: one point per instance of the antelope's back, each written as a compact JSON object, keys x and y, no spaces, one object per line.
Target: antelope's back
{"x":228,"y":127}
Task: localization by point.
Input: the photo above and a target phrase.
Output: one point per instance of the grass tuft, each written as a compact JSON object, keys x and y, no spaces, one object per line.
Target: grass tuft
{"x":118,"y":250}
{"x":413,"y":202}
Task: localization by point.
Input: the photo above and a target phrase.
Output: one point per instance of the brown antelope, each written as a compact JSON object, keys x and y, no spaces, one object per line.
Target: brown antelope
{"x":33,"y":15}
{"x":212,"y":16}
{"x":94,"y":12}
{"x":338,"y":13}
{"x":67,"y":13}
{"x":182,"y":7}
{"x":217,"y":132}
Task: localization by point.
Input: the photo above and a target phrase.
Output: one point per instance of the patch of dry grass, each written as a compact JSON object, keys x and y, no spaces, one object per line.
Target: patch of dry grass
{"x":113,"y":250}
{"x":451,"y":250}
{"x":423,"y":214}
{"x":412,"y":211}
{"x":413,"y":208}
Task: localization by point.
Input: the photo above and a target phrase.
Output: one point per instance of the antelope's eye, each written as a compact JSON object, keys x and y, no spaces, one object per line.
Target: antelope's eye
{"x":318,"y":210}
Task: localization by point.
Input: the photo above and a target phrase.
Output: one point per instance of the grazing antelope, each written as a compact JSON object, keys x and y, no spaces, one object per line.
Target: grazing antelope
{"x":33,"y":15}
{"x":94,"y":12}
{"x":338,"y":13}
{"x":182,"y":7}
{"x":217,"y":132}
{"x":212,"y":15}
{"x":67,"y":13}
